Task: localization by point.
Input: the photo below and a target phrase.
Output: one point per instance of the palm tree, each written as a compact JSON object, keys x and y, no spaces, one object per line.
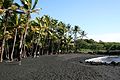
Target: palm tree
{"x":83,"y":34}
{"x":28,"y":9}
{"x":69,"y":36}
{"x":54,"y":35}
{"x":35,"y":31}
{"x":48,"y":30}
{"x":12,"y":22}
{"x":16,"y":24}
{"x":5,"y":4}
{"x":61,"y":32}
{"x":76,"y":31}
{"x":42,"y":33}
{"x":45,"y":24}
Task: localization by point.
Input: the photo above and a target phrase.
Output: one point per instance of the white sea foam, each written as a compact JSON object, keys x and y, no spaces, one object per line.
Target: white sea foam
{"x":105,"y":59}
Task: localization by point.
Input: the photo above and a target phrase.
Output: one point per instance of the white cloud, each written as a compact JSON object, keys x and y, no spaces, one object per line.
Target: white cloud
{"x":108,"y":37}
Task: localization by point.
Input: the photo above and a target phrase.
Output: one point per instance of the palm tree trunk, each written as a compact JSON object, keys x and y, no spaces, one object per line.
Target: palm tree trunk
{"x":7,"y":52}
{"x":32,"y":49}
{"x":67,"y":48}
{"x":38,"y":41}
{"x":42,"y":51}
{"x":48,"y":49}
{"x":20,"y":48}
{"x":59,"y":47}
{"x":13,"y":45}
{"x":25,"y":34}
{"x":24,"y":40}
{"x":52,"y":47}
{"x":3,"y":44}
{"x":75,"y":38}
{"x":0,"y":49}
{"x":35,"y":52}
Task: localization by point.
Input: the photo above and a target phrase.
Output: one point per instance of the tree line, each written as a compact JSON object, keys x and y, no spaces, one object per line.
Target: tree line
{"x":20,"y":36}
{"x":91,"y":46}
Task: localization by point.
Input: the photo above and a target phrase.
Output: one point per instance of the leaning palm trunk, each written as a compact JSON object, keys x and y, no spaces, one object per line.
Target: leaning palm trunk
{"x":13,"y":45}
{"x":20,"y":49}
{"x":24,"y":42}
{"x":3,"y":44}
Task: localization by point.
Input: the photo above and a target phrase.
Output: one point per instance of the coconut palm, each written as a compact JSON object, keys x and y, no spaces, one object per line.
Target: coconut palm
{"x":83,"y":34}
{"x":76,"y":31}
{"x":61,"y":32}
{"x":46,"y":23}
{"x":54,"y":35}
{"x":5,"y":4}
{"x":35,"y":32}
{"x":28,"y":9}
{"x":15,"y":21}
{"x":69,"y":36}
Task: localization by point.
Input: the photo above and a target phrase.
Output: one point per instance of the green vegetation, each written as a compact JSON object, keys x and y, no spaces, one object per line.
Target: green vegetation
{"x":91,"y":46}
{"x":21,"y":37}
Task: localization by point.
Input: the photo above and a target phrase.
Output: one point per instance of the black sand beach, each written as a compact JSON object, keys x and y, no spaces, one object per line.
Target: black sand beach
{"x":58,"y":67}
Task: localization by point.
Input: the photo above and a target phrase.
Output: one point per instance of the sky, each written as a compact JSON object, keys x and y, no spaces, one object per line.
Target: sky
{"x":99,"y":18}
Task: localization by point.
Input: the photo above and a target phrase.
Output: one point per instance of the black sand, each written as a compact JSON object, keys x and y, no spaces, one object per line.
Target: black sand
{"x":58,"y":67}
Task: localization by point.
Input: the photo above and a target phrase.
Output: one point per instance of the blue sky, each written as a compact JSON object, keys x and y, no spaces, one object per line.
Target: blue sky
{"x":99,"y":18}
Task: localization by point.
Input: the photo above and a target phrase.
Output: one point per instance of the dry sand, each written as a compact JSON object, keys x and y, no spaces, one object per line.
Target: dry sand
{"x":58,"y":67}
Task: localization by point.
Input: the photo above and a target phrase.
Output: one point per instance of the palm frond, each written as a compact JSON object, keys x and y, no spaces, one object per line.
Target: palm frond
{"x":24,"y":3}
{"x":35,"y":3}
{"x":16,"y":4}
